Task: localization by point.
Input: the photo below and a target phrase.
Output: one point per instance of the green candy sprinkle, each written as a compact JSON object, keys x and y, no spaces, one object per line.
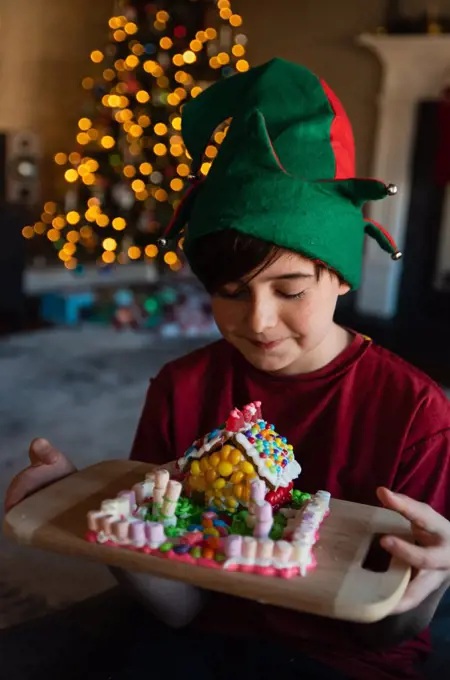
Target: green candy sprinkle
{"x":165,"y":547}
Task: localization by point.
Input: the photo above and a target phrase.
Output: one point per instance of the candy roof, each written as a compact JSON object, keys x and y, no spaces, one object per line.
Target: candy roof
{"x":270,"y":453}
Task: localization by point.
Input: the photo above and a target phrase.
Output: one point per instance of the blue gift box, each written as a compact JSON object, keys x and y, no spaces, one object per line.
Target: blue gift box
{"x":65,"y":308}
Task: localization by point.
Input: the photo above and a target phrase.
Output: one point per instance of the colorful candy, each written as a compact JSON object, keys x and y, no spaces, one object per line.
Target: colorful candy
{"x":94,"y":518}
{"x":182,"y":548}
{"x":171,"y":496}
{"x":211,"y":476}
{"x":120,"y":530}
{"x":136,"y":532}
{"x":131,"y":497}
{"x":204,"y":464}
{"x":106,"y":523}
{"x":214,"y":460}
{"x":208,"y":553}
{"x":165,"y":547}
{"x":119,"y":522}
{"x":225,"y":452}
{"x":242,"y":463}
{"x":195,"y":468}
{"x":225,"y":469}
{"x":162,"y":477}
{"x":233,"y":547}
{"x":264,"y":552}
{"x":282,"y":551}
{"x":158,"y":497}
{"x":249,"y":545}
{"x":155,"y":534}
{"x":250,"y":449}
{"x":264,"y":520}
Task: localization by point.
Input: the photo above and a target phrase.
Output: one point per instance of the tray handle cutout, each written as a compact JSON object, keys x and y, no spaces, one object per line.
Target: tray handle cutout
{"x":377,"y":559}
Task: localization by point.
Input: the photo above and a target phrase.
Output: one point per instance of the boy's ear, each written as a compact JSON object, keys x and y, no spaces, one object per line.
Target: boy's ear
{"x":344,"y":288}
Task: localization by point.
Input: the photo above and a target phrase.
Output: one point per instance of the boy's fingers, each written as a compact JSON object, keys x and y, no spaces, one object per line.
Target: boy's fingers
{"x":29,"y":480}
{"x":418,"y":590}
{"x":42,"y":452}
{"x":420,"y":514}
{"x":428,"y":558}
{"x":48,"y":465}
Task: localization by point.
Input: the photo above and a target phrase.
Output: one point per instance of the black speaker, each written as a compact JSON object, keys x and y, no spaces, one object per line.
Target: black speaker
{"x":12,"y":266}
{"x":19,"y":192}
{"x":21,"y":155}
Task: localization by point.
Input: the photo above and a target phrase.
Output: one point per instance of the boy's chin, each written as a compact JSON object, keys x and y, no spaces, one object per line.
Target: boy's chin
{"x":267,"y":362}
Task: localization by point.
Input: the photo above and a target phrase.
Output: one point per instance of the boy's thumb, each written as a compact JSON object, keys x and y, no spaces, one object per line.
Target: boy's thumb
{"x":42,"y":452}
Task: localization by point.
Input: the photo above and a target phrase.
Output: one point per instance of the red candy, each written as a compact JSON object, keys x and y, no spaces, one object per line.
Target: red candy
{"x":235,"y":421}
{"x":208,"y":553}
{"x":258,"y":414}
{"x":192,"y":538}
{"x":213,"y":542}
{"x":226,"y":519}
{"x":222,"y":531}
{"x":202,"y":562}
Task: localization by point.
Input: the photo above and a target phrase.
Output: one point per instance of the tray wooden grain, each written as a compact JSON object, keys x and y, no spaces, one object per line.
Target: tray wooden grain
{"x":55,"y":519}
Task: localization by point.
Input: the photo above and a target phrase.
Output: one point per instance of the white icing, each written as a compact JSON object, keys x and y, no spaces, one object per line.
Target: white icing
{"x":277,"y":479}
{"x":304,"y":529}
{"x":198,"y":453}
{"x":276,"y":564}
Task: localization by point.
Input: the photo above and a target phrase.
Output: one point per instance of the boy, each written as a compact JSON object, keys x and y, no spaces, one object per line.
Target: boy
{"x":275,"y":233}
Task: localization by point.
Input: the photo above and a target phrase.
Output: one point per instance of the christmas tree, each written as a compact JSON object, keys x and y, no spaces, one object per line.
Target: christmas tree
{"x":129,"y":170}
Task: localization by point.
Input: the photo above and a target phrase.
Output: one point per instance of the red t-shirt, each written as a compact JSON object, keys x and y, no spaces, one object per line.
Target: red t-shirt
{"x":365,"y":420}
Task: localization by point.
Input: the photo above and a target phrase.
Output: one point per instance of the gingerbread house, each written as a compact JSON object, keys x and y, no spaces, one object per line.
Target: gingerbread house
{"x":219,"y":467}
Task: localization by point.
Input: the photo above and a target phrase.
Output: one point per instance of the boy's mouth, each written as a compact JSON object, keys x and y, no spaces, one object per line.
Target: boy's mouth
{"x":267,"y":345}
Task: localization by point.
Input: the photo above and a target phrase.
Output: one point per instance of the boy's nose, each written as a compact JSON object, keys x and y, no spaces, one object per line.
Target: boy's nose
{"x":262,"y":315}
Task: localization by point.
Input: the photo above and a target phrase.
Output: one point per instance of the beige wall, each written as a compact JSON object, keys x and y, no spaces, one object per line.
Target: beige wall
{"x":44,"y":48}
{"x":44,"y":54}
{"x":321,"y":35}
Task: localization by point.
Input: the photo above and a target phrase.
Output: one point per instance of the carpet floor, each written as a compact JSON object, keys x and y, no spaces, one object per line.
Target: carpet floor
{"x":83,"y":390}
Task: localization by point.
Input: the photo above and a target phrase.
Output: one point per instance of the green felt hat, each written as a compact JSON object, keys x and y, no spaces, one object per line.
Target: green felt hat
{"x":284,"y":172}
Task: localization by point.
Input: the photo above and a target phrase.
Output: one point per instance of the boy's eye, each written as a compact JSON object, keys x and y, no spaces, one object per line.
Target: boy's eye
{"x":292,"y":296}
{"x":242,"y":292}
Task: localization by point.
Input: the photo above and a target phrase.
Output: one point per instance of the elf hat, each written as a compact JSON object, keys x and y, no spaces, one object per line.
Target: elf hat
{"x":284,"y":172}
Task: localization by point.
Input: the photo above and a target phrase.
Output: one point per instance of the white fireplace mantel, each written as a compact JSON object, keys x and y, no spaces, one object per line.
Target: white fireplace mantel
{"x":414,"y":68}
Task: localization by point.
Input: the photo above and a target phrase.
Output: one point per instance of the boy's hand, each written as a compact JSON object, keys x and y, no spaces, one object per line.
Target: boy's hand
{"x":430,"y":559}
{"x":47,"y":466}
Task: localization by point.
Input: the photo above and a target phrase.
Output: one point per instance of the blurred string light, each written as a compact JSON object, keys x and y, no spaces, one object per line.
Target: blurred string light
{"x":148,"y":155}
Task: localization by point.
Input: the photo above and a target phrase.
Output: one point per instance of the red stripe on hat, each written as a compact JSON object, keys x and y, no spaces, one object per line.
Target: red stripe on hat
{"x":385,"y":233}
{"x":275,"y":155}
{"x":341,"y":137}
{"x":178,"y":210}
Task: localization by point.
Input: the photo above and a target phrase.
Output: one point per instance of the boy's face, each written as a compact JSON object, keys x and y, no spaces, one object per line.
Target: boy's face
{"x":282,"y":320}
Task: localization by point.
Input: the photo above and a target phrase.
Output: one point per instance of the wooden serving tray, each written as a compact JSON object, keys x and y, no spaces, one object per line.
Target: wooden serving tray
{"x":55,"y":519}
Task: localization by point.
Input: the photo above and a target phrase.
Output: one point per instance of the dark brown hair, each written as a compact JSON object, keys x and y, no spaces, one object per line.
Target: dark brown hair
{"x":228,"y":256}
